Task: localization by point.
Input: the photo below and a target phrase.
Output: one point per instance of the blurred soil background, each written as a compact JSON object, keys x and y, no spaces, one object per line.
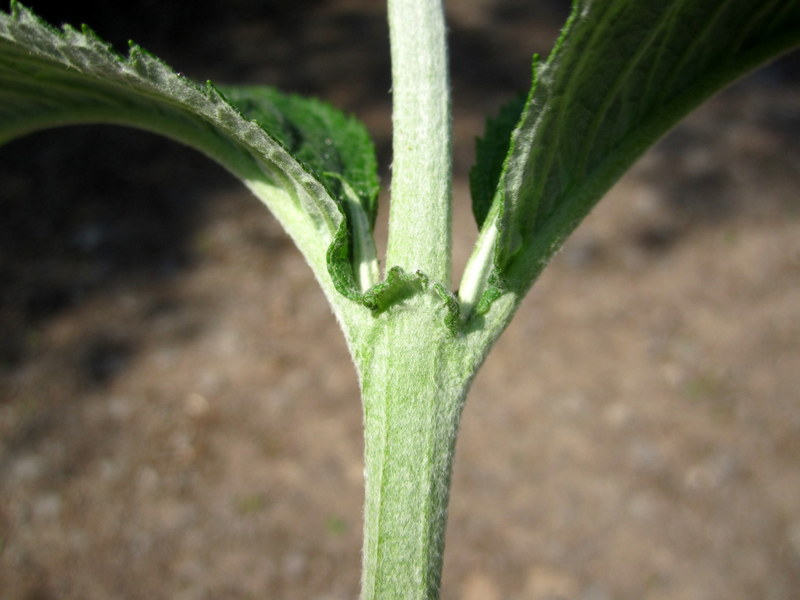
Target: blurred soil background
{"x":179,"y":418}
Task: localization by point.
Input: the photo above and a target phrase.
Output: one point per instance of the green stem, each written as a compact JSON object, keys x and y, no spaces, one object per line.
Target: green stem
{"x":419,"y":215}
{"x":413,"y":388}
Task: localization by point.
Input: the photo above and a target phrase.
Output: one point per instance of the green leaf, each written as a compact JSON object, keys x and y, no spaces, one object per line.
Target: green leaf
{"x":622,"y":73}
{"x":311,"y":165}
{"x":336,"y":148}
{"x":490,"y":155}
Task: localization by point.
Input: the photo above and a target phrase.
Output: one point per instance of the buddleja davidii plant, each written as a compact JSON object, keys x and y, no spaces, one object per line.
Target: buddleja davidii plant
{"x":621,"y":74}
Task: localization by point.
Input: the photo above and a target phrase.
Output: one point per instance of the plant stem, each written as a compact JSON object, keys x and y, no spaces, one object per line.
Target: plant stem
{"x":413,"y":389}
{"x":419,"y":215}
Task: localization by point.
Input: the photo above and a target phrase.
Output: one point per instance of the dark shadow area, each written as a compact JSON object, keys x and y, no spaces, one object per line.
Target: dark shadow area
{"x":487,"y":68}
{"x":90,"y":209}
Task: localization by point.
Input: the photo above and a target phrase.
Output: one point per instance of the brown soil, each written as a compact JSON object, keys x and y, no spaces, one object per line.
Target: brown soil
{"x":179,"y":417}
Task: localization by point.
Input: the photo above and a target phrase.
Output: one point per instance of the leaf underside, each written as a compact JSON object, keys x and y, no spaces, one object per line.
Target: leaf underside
{"x":622,"y":74}
{"x":303,"y":156}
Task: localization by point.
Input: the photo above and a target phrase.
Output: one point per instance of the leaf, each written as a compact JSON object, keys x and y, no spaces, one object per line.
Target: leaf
{"x":310,"y":164}
{"x":622,"y":73}
{"x":333,"y":146}
{"x":490,"y":155}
